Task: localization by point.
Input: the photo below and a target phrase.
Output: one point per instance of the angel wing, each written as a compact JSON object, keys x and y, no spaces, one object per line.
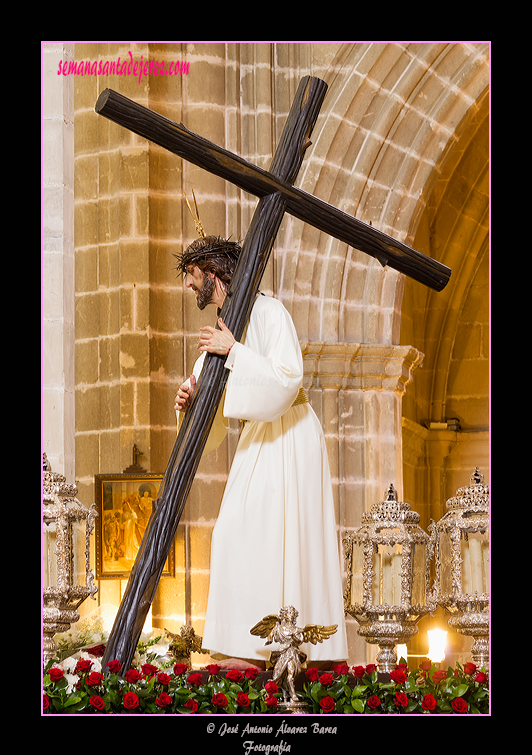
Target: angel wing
{"x":315,"y":633}
{"x":196,"y":645}
{"x":264,"y":627}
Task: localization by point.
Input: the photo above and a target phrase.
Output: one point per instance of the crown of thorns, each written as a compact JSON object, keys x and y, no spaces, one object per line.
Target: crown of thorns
{"x":206,"y":248}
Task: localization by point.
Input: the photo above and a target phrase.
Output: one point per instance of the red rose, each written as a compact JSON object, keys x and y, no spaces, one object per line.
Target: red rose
{"x":192,"y":705}
{"x":94,"y":678}
{"x":55,"y":673}
{"x":213,"y":669}
{"x":114,"y":666}
{"x":130,"y":701}
{"x":481,"y":677}
{"x":373,"y":702}
{"x":242,"y":699}
{"x":342,"y":669}
{"x":312,"y":674}
{"x":327,"y":704}
{"x":326,"y":680}
{"x":132,"y":676}
{"x":459,"y":705}
{"x":271,"y":701}
{"x":439,"y":676}
{"x":83,"y":666}
{"x":195,"y":679}
{"x":252,"y":672}
{"x":398,"y":676}
{"x":428,"y":702}
{"x":359,"y":671}
{"x":163,"y":700}
{"x":425,"y":665}
{"x":234,"y":675}
{"x":148,"y":669}
{"x":401,"y":700}
{"x":45,"y":702}
{"x":469,"y":668}
{"x":271,"y":686}
{"x":163,"y":678}
{"x":97,"y":702}
{"x":98,"y":651}
{"x":370,"y":668}
{"x":219,"y":700}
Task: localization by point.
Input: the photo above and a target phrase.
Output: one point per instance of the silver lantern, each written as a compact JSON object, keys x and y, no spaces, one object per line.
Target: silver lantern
{"x":462,"y":564}
{"x":66,"y":575}
{"x":388,"y":572}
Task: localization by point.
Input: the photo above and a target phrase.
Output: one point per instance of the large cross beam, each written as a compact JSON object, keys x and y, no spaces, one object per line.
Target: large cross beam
{"x":277,"y":195}
{"x":177,"y":139}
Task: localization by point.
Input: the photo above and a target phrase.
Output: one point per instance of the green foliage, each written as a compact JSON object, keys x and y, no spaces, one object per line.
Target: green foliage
{"x":79,"y":686}
{"x":152,"y":690}
{"x":426,"y":690}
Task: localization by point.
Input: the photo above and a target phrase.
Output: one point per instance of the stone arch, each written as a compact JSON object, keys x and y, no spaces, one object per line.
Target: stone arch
{"x":392,"y":116}
{"x":454,"y":228}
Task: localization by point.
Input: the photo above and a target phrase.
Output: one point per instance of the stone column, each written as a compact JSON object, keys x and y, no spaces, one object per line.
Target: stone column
{"x":58,"y":260}
{"x":356,"y":391}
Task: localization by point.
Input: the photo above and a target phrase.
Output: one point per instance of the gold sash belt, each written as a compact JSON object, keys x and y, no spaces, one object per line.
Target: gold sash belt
{"x":301,"y":398}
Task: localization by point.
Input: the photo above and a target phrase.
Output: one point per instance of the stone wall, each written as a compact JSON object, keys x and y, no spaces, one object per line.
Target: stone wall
{"x":58,"y":261}
{"x":386,"y":148}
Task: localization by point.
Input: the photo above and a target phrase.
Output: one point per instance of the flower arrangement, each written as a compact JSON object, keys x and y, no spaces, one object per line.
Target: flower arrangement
{"x":424,"y":690}
{"x":78,"y":685}
{"x":83,"y":688}
{"x":88,"y":631}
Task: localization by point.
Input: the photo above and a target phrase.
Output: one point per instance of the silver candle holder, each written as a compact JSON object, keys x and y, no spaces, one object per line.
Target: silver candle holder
{"x":388,"y":572}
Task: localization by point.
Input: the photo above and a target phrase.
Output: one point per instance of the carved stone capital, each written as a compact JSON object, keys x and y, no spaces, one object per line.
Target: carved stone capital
{"x":366,"y":367}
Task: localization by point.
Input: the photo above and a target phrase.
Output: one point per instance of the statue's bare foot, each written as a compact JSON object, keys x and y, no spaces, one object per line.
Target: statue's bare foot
{"x":240,"y":664}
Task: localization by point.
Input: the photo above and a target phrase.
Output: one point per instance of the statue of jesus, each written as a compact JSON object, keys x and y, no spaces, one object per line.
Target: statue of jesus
{"x":275,"y":541}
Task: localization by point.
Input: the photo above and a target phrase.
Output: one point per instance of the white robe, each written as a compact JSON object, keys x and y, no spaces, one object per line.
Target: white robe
{"x":275,"y":540}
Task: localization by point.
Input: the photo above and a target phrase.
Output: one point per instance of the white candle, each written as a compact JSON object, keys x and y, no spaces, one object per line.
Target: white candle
{"x":475,"y":555}
{"x":376,"y":579}
{"x":49,"y":559}
{"x":466,"y":567}
{"x":486,"y":563}
{"x":357,"y":578}
{"x":396,"y":579}
{"x":387,"y":578}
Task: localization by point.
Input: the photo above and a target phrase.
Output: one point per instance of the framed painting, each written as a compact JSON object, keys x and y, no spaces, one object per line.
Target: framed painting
{"x":125,"y":503}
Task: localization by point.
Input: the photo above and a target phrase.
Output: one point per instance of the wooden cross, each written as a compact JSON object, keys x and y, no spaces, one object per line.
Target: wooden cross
{"x":277,"y":195}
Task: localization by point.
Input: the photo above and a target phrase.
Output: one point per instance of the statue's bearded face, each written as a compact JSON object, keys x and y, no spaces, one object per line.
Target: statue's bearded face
{"x":201,"y":283}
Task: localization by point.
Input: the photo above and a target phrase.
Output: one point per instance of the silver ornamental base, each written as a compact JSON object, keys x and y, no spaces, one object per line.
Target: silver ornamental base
{"x":475,"y":623}
{"x":387,"y":634}
{"x":386,"y":658}
{"x":298,"y":708}
{"x":480,"y":652}
{"x":55,"y":621}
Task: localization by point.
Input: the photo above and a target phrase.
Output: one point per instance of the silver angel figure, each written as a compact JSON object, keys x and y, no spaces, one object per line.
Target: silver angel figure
{"x":288,"y":659}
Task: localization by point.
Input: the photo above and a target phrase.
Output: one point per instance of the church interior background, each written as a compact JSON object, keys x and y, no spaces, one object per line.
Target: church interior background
{"x":398,"y":374}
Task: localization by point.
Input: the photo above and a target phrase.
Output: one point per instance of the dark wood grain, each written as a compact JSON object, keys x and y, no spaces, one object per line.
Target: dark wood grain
{"x":190,"y":146}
